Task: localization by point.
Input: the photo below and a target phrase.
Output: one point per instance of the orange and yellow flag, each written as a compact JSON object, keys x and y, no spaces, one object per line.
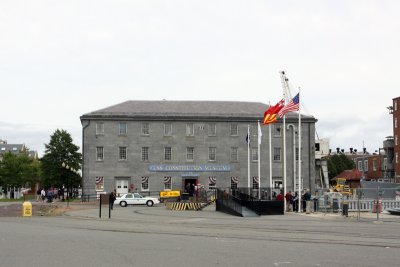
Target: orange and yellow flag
{"x":270,"y":115}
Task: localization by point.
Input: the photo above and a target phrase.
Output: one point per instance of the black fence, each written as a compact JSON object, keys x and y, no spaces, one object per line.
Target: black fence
{"x":227,"y":203}
{"x":233,"y":200}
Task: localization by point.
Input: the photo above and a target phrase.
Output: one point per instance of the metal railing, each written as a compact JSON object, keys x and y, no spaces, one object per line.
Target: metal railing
{"x":364,"y":205}
{"x":227,"y":203}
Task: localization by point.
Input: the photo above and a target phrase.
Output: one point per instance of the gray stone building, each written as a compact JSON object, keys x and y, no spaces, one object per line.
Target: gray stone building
{"x":152,"y":146}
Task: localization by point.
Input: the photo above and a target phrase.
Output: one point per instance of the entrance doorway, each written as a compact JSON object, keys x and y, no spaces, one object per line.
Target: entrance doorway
{"x":189,"y":185}
{"x":121,"y":186}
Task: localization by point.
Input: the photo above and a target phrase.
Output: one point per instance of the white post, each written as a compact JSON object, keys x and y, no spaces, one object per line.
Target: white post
{"x":270,"y":161}
{"x":284,"y":162}
{"x":294,"y":155}
{"x":248,"y":158}
{"x":300,"y":183}
{"x":259,"y":159}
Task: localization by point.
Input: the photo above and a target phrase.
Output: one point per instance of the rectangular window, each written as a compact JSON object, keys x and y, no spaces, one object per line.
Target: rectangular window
{"x":145,"y":183}
{"x":397,"y":158}
{"x":99,"y":183}
{"x":99,"y":153}
{"x":374,"y":164}
{"x":99,"y":128}
{"x":145,"y":128}
{"x":254,"y":154}
{"x":167,"y":183}
{"x":168,"y":129}
{"x":366,"y":165}
{"x":297,"y":153}
{"x":396,"y":142}
{"x":212,"y":129}
{"x":278,"y":184}
{"x":212,"y":153}
{"x":395,"y":105}
{"x":254,"y":131}
{"x":189,"y":129}
{"x":190,"y":153}
{"x":122,"y":153}
{"x":255,"y":183}
{"x":123,"y":128}
{"x":234,"y":129}
{"x":277,"y":153}
{"x":395,"y":122}
{"x":234,"y":154}
{"x":168,"y":153}
{"x":145,"y":153}
{"x":277,"y":130}
{"x":360,"y":166}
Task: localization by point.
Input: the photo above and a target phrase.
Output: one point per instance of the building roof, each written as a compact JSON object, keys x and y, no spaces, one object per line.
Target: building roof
{"x":350,"y":175}
{"x":16,"y":149}
{"x":13,"y":148}
{"x":185,"y":109}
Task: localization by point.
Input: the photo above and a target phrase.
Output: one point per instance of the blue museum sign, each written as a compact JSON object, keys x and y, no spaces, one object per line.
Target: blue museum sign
{"x":190,"y":168}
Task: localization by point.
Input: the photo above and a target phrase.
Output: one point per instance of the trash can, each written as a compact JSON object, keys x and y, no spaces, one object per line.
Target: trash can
{"x":345,"y":208}
{"x":335,"y":205}
{"x":27,"y":209}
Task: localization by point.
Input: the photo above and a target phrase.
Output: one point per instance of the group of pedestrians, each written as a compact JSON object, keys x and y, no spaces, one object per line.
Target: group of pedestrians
{"x":49,"y":195}
{"x":292,"y":201}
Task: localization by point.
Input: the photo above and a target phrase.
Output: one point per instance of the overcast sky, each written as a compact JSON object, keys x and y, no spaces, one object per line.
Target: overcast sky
{"x":61,"y":59}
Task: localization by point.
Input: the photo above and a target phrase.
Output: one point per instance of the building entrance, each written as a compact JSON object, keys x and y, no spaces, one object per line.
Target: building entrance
{"x":189,"y":185}
{"x":121,"y":186}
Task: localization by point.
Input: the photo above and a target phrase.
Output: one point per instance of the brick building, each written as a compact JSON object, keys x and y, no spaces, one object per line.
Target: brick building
{"x":395,"y":109}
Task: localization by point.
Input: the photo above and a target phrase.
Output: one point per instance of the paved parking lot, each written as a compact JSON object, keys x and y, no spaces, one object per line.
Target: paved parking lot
{"x":151,"y":236}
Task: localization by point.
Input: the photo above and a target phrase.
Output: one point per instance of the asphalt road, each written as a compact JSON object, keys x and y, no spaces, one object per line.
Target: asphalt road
{"x":143,"y":236}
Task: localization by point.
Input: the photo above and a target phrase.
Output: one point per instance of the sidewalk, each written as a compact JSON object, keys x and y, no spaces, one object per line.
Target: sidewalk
{"x":383,"y":216}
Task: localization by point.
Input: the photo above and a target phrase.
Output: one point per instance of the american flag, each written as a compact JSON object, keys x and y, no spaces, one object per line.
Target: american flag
{"x":293,"y":105}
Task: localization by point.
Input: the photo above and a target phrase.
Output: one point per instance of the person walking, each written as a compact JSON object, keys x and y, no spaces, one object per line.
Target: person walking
{"x":112,"y":199}
{"x":296,"y":202}
{"x":38,"y":193}
{"x":288,"y":198}
{"x":280,"y":196}
{"x":43,"y":194}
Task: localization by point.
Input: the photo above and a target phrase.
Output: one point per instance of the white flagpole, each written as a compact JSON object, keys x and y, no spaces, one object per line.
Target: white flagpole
{"x":284,"y":162}
{"x":299,"y":161}
{"x":270,"y":161}
{"x":285,"y":92}
{"x":248,"y":157}
{"x":259,"y":159}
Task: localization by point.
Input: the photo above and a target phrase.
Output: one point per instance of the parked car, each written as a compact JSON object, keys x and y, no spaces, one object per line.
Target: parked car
{"x":135,"y":199}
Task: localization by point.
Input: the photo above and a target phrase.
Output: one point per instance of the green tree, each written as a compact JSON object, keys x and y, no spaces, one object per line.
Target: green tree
{"x":338,"y":163}
{"x":19,"y":170}
{"x":61,"y":151}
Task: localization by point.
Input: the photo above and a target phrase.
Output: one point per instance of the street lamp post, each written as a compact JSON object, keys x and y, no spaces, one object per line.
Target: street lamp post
{"x":66,"y":166}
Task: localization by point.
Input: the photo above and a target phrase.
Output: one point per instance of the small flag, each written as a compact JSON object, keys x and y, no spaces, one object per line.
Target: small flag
{"x":247,"y":139}
{"x":270,"y":114}
{"x":293,"y":105}
{"x":259,"y":133}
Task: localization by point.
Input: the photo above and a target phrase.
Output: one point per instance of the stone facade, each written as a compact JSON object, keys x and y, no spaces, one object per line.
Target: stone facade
{"x":126,"y":146}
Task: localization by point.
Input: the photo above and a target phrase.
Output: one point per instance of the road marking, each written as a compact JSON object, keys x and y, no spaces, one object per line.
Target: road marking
{"x":282,"y":262}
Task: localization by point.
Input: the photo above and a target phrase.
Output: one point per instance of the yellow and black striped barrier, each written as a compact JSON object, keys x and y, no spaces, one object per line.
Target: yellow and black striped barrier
{"x":184,"y":206}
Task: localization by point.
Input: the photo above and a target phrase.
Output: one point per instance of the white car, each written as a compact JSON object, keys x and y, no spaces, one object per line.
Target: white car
{"x":135,"y":199}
